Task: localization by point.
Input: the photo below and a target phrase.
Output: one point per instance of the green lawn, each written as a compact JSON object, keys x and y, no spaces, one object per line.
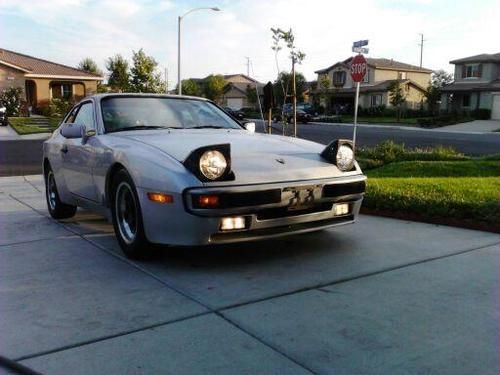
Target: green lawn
{"x":25,"y":125}
{"x":464,"y":191}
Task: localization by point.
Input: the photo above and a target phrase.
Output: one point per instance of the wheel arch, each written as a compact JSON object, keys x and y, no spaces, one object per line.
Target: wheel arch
{"x":110,"y":175}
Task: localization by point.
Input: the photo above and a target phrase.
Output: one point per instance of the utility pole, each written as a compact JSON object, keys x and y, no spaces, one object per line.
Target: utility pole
{"x":421,"y":44}
{"x":248,"y":65}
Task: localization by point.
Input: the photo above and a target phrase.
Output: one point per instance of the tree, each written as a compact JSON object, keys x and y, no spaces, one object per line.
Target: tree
{"x":143,"y":75}
{"x":285,"y":80}
{"x":214,"y":87}
{"x":11,"y":99}
{"x":397,"y":96}
{"x":190,"y":87}
{"x":439,"y":79}
{"x":251,"y":94}
{"x":119,"y":75}
{"x":90,"y":66}
{"x":323,"y":85}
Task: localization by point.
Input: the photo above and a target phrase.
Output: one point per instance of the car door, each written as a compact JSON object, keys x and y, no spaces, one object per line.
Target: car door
{"x":78,"y":156}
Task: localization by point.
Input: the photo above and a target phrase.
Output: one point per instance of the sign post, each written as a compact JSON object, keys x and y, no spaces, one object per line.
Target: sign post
{"x":358,"y":71}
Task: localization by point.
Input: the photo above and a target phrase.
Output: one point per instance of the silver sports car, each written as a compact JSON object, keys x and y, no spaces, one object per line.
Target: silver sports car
{"x":179,"y":170}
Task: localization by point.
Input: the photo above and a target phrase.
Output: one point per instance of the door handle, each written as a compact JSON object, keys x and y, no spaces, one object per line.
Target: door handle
{"x":64,"y":149}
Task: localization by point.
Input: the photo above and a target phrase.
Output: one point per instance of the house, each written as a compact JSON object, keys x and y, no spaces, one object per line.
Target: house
{"x":335,"y":87}
{"x":476,"y":85}
{"x":43,"y":80}
{"x":236,"y":91}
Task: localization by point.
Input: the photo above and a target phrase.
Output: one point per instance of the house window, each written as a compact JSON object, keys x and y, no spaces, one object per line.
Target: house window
{"x":366,"y":78}
{"x":466,"y":101}
{"x":376,"y":100}
{"x":67,"y":90}
{"x":402,"y":75}
{"x":339,"y":78}
{"x":471,"y":71}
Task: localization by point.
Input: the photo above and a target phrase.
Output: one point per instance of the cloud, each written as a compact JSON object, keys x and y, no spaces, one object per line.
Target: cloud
{"x":218,"y":42}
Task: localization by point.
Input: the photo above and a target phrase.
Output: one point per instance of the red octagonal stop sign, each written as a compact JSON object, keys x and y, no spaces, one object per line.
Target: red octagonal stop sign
{"x":358,"y":68}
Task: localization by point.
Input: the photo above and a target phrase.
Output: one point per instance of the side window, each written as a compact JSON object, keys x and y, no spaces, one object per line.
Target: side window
{"x":71,"y":118}
{"x":85,"y":116}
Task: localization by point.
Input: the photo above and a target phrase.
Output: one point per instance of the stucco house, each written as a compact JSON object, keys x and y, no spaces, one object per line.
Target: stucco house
{"x":374,"y":90}
{"x":42,"y":80}
{"x":476,"y":85}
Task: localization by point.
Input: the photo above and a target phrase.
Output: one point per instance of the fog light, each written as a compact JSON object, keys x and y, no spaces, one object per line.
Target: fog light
{"x":341,"y":209}
{"x":160,"y":198}
{"x":232,"y":223}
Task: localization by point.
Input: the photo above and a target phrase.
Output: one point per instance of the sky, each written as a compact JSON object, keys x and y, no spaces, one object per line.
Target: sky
{"x":66,"y":31}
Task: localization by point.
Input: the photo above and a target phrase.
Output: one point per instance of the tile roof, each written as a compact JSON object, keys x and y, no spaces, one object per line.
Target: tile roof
{"x":33,"y":65}
{"x":376,"y":87}
{"x":472,"y":86}
{"x":380,"y":63}
{"x":485,"y":57}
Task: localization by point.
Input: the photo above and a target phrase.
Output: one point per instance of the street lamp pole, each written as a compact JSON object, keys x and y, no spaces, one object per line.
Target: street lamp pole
{"x":179,"y":20}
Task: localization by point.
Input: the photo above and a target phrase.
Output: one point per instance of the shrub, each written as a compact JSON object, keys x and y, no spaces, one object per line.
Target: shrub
{"x":56,"y":108}
{"x":481,"y":114}
{"x":443,"y":120}
{"x":11,"y":99}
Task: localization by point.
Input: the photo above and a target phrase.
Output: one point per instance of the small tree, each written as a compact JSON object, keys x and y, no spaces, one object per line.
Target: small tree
{"x":143,"y":77}
{"x":439,"y":79}
{"x":214,"y":87}
{"x":190,"y":87}
{"x":285,"y":79}
{"x":397,"y":97}
{"x":251,"y":95}
{"x":90,"y":66}
{"x":323,"y":85}
{"x":11,"y":99}
{"x":119,"y":75}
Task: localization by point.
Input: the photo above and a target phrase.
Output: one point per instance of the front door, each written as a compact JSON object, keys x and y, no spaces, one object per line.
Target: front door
{"x":79,"y":158}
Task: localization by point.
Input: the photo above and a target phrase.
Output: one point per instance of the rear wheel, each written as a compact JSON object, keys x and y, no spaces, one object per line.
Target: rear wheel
{"x":57,"y":209}
{"x":127,"y":217}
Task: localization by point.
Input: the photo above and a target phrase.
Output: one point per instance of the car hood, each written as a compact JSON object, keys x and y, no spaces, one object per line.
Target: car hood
{"x":255,"y":158}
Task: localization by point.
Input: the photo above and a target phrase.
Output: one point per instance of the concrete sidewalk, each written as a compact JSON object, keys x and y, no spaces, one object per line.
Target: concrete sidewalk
{"x":382,"y":296}
{"x":477,"y":126}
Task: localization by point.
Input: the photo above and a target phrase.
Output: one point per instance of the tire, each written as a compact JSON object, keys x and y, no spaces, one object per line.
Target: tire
{"x":127,"y":217}
{"x":57,"y":209}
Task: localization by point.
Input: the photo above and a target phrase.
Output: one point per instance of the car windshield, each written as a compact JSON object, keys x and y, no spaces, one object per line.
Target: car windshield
{"x":134,"y":113}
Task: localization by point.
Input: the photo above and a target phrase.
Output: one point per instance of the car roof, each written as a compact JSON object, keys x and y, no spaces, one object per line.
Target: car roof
{"x":145,"y":95}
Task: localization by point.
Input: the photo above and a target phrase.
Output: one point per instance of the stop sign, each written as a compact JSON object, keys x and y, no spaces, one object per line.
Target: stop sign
{"x":358,"y":68}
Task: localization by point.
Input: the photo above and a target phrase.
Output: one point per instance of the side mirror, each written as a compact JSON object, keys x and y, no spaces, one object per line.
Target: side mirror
{"x":88,"y":133}
{"x":250,"y":126}
{"x":72,"y":131}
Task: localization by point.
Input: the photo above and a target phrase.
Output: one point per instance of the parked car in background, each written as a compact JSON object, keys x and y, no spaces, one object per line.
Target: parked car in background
{"x":3,"y":116}
{"x":302,"y":116}
{"x":180,"y":171}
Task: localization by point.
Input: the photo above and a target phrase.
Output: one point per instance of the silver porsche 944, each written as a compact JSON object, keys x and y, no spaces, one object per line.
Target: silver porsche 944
{"x":179,"y":170}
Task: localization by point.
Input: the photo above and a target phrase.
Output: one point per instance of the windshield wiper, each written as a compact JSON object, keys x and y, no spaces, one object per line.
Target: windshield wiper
{"x":140,"y":127}
{"x":207,"y":127}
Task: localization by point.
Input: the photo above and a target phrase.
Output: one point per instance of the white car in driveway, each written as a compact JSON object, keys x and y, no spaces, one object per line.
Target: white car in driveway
{"x":179,"y":171}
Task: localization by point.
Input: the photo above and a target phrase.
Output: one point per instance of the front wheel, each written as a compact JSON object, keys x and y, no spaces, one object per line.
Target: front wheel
{"x":127,"y":217}
{"x":57,"y":209}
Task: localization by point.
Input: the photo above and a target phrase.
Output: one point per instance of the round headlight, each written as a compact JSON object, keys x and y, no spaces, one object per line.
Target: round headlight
{"x":213,"y":164}
{"x":345,"y":158}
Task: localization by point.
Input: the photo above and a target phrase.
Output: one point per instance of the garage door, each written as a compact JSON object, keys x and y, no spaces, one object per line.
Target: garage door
{"x":234,"y":103}
{"x":495,"y":108}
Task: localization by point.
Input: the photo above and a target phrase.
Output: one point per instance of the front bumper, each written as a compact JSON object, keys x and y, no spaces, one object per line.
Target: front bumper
{"x":270,"y":210}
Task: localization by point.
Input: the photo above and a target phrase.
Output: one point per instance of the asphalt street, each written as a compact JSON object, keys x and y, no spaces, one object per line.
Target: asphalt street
{"x":367,"y":135}
{"x":23,"y":157}
{"x":382,"y":296}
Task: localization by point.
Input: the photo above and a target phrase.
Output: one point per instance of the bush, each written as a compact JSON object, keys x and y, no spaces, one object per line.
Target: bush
{"x":56,"y":108}
{"x":11,"y":99}
{"x":481,"y":114}
{"x":443,"y":120}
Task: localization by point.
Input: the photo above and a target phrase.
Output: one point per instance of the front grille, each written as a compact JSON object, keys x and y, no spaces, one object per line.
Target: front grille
{"x":338,"y":190}
{"x":244,"y":199}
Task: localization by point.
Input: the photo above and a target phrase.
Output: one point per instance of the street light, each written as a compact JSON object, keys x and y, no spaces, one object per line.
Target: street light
{"x":179,"y":90}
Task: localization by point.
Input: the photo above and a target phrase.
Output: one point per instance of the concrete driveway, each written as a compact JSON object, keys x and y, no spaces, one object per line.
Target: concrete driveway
{"x":382,"y":296}
{"x":477,"y":126}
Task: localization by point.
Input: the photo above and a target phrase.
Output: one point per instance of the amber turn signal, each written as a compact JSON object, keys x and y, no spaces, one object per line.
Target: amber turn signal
{"x":160,"y":198}
{"x":208,"y":201}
